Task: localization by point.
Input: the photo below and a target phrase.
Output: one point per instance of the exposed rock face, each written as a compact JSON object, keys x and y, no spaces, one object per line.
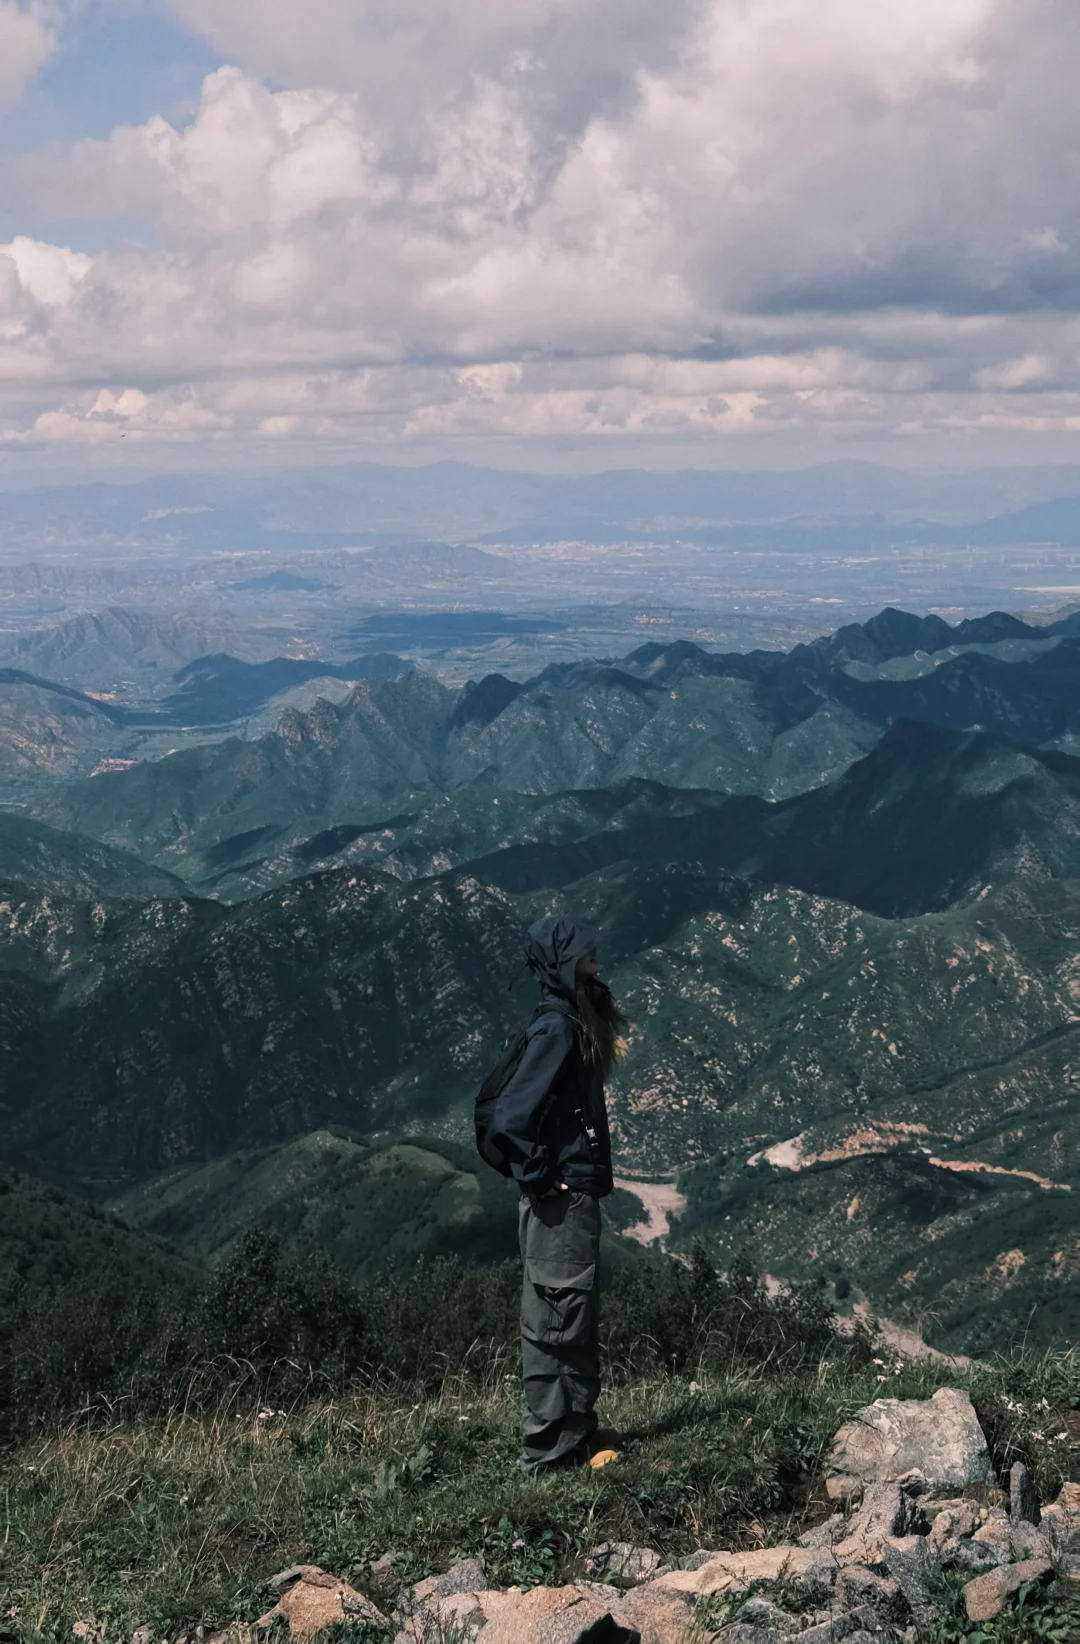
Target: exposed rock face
{"x":939,"y":1439}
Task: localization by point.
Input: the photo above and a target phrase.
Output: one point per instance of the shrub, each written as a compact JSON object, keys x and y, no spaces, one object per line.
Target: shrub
{"x":284,"y":1329}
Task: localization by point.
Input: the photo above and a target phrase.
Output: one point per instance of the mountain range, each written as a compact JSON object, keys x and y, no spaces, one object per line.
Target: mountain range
{"x":851,"y":976}
{"x":235,"y":815}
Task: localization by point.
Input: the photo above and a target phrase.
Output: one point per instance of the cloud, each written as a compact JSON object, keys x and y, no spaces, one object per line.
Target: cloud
{"x":27,"y":41}
{"x":718,"y":216}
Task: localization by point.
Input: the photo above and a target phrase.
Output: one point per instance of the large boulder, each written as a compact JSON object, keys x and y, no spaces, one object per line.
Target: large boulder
{"x":936,"y":1440}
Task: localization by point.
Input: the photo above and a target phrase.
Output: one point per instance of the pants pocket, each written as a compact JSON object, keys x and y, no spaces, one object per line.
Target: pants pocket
{"x":561,"y":1242}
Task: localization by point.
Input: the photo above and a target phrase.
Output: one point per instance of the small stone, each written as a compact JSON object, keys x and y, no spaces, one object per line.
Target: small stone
{"x":952,"y":1523}
{"x":1069,"y":1499}
{"x":142,"y":1635}
{"x":762,"y":1612}
{"x":985,"y":1597}
{"x":316,"y":1599}
{"x":694,"y":1561}
{"x":1023,"y":1496}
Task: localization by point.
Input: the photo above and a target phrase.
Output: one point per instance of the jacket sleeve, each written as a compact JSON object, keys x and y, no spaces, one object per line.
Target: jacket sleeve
{"x":521,"y":1109}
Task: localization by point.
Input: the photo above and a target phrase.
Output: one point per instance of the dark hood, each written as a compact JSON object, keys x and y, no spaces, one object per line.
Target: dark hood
{"x":553,"y":947}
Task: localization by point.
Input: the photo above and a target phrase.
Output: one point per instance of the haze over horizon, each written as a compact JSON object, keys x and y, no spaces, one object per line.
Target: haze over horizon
{"x":547,"y":237}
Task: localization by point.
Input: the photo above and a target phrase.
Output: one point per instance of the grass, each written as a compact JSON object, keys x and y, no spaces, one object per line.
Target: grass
{"x":172,"y":1521}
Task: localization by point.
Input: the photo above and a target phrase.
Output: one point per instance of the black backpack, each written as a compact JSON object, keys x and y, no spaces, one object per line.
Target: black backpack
{"x":496,"y":1082}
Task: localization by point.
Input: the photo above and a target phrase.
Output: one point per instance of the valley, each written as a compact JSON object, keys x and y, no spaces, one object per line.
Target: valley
{"x":256,"y":979}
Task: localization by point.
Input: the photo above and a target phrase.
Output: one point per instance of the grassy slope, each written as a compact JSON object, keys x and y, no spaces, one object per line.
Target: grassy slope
{"x":173,"y":1524}
{"x":49,"y":1238}
{"x":371,"y":1205}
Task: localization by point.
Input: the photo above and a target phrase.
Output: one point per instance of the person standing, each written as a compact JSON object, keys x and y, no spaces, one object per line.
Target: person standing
{"x":550,"y":1125}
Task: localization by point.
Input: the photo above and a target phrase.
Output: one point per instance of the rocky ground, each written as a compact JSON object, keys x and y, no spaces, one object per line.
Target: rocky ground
{"x":918,"y":1513}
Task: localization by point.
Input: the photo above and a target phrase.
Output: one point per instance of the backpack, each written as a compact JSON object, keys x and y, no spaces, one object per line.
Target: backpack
{"x":496,"y":1081}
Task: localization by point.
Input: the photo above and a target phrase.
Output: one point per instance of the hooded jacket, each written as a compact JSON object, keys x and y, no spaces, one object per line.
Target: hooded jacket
{"x":550,"y":1122}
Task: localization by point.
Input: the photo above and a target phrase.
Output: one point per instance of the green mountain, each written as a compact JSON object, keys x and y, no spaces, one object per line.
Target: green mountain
{"x":38,"y":858}
{"x":969,"y":1259}
{"x":236,"y":815}
{"x":370,"y":1203}
{"x":928,"y":818}
{"x":49,"y":1238}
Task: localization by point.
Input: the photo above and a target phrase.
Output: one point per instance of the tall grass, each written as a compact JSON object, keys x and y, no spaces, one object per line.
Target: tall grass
{"x":169,"y":1502}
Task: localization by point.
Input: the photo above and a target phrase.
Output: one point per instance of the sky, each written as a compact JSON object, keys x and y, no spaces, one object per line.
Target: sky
{"x":561,"y":233}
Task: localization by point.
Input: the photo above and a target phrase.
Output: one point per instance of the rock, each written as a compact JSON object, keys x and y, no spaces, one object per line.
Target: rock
{"x":1028,"y":1541}
{"x":884,"y":1512}
{"x":824,"y":1535}
{"x":995,"y":1533}
{"x":940,"y":1438}
{"x":694,"y":1561}
{"x":967,"y":1555}
{"x":1070,"y":1567}
{"x":384,"y":1568}
{"x":823,"y":1573}
{"x":1023,"y":1496}
{"x":559,"y":1615}
{"x":142,"y":1635}
{"x":628,"y":1563}
{"x":953,"y":1523}
{"x":762,"y":1612}
{"x":728,"y":1572}
{"x":984,"y":1597}
{"x":661,"y":1618}
{"x":464,"y":1577}
{"x":907,"y":1560}
{"x":848,"y":1626}
{"x":316,"y":1599}
{"x":859,"y":1588}
{"x":1068,"y":1500}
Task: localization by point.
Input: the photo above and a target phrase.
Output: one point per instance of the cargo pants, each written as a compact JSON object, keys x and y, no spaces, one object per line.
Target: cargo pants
{"x":560,"y":1326}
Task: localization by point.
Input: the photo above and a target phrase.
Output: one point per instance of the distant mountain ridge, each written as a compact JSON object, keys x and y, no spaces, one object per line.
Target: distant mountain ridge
{"x":771,"y":724}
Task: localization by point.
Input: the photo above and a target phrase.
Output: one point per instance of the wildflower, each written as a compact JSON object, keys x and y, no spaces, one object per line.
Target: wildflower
{"x":463,"y":1418}
{"x":590,"y":1564}
{"x":1061,"y":1438}
{"x":881,"y":1378}
{"x":880,"y":1363}
{"x":1038,"y":1437}
{"x":694,"y":1389}
{"x":520,"y":1542}
{"x":1043,"y":1404}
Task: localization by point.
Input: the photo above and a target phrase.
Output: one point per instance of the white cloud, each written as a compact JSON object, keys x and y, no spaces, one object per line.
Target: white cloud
{"x":583,"y":218}
{"x":27,"y":41}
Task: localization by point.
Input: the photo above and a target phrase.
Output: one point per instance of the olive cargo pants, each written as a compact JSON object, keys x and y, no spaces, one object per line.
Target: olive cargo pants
{"x":560,"y":1319}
